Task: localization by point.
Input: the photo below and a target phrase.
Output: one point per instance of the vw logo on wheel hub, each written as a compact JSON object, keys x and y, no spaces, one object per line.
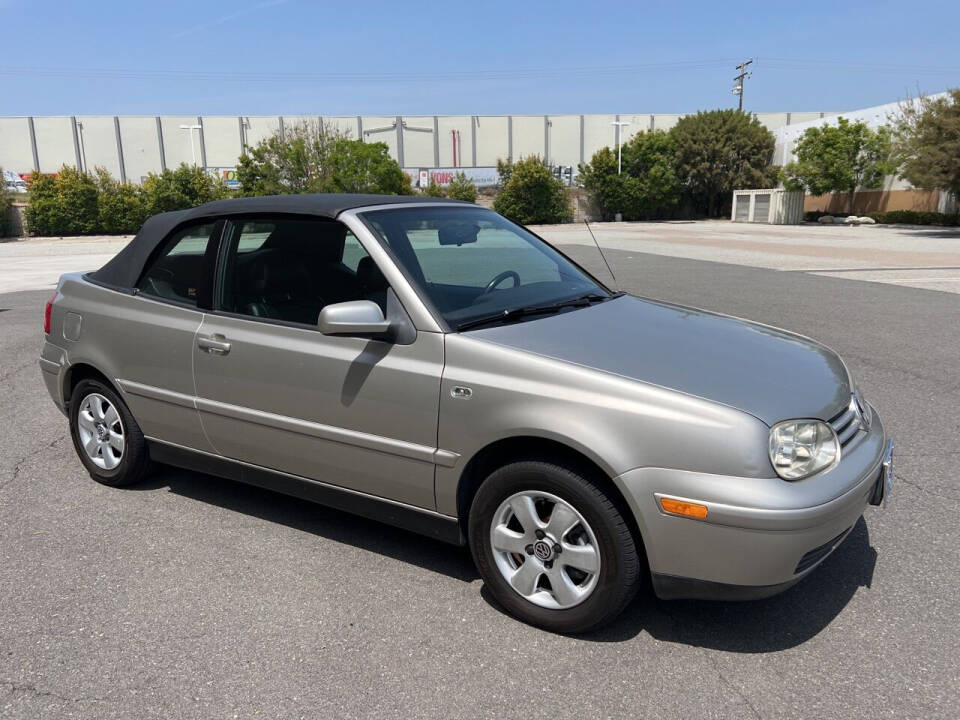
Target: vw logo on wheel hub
{"x":542,"y":550}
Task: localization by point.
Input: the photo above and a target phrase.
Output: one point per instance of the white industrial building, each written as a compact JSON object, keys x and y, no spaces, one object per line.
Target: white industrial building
{"x":130,"y":147}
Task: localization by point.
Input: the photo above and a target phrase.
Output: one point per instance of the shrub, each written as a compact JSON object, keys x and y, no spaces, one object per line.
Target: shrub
{"x":916,"y":217}
{"x":433,"y":189}
{"x":64,"y":204}
{"x":462,"y":188}
{"x":532,"y":194}
{"x":185,"y":187}
{"x":78,"y":203}
{"x":121,"y":207}
{"x":648,"y":186}
{"x":6,"y":203}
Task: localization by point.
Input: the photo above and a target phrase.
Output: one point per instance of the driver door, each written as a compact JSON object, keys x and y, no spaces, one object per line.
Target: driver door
{"x":274,"y":392}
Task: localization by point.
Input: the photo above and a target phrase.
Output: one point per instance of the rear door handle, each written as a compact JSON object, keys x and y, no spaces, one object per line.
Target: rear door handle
{"x":214,"y":344}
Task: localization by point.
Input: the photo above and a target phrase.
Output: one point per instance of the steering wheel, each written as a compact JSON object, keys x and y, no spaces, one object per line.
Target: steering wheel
{"x":492,"y":285}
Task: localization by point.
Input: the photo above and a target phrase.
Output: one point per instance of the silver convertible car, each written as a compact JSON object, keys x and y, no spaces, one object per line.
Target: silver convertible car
{"x":437,"y":367}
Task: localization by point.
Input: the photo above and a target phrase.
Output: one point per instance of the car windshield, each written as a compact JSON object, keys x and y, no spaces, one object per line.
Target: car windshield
{"x":473,"y":264}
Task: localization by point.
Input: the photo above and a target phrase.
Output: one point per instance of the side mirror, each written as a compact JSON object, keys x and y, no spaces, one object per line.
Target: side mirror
{"x":361,"y":318}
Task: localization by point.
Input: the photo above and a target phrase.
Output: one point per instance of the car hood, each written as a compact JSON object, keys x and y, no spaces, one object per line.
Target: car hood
{"x":769,"y":373}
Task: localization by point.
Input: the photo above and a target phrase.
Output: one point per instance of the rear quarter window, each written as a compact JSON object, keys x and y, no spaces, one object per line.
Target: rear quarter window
{"x":177,"y":272}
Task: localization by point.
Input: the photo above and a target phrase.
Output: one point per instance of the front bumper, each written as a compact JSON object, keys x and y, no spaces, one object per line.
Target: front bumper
{"x":761,"y":535}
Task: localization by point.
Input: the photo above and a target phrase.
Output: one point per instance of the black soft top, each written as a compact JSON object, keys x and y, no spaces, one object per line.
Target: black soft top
{"x":124,"y":269}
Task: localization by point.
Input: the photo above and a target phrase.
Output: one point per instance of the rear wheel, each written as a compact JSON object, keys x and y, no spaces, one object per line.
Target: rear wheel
{"x":553,"y":547}
{"x":107,"y":439}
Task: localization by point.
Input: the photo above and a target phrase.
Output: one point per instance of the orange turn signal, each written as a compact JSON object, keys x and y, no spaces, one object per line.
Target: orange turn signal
{"x":682,"y":507}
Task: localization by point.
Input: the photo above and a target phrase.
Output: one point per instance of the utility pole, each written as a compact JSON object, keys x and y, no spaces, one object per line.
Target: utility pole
{"x":739,"y":80}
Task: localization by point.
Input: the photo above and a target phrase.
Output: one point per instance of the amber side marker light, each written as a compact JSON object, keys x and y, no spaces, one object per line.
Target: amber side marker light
{"x":681,"y":507}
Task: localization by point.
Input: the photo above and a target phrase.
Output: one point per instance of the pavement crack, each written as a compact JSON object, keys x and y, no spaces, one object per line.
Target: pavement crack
{"x":733,"y":688}
{"x":924,"y":490}
{"x":18,"y":466}
{"x":14,"y":688}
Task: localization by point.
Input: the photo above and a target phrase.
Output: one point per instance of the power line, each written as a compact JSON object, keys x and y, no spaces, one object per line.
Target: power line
{"x":127,"y":73}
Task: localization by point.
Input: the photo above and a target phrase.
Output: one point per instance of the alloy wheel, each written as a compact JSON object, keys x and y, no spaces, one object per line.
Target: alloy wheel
{"x":545,"y":549}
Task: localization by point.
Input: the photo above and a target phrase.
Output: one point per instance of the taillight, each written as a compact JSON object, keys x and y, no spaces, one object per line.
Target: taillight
{"x":47,"y":311}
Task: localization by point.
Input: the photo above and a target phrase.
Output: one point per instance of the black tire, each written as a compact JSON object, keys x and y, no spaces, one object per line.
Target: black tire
{"x":620,"y":564}
{"x":134,"y":463}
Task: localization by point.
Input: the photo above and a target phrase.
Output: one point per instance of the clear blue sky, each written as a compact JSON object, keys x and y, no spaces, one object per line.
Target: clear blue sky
{"x":295,"y":56}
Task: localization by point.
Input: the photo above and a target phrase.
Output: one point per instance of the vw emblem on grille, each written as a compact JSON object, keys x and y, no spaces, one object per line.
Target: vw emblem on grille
{"x":542,"y":550}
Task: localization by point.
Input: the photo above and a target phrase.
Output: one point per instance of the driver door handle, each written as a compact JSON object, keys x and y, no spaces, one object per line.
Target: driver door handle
{"x":213,"y":344}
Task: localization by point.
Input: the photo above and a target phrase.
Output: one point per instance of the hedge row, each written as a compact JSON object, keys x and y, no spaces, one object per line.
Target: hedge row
{"x":79,"y":203}
{"x":901,"y":217}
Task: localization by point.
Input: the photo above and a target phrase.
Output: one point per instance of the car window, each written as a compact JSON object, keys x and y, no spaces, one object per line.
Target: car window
{"x":289,"y":269}
{"x":177,"y":272}
{"x":472,"y":263}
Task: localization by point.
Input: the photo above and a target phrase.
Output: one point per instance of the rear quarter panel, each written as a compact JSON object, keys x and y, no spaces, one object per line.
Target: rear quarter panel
{"x":131,"y":338}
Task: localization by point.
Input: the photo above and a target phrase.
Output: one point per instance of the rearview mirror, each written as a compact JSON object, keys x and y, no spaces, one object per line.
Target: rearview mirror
{"x":357,"y":317}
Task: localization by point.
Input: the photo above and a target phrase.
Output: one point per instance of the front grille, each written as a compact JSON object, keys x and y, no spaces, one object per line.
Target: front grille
{"x":819,"y":553}
{"x":847,"y":424}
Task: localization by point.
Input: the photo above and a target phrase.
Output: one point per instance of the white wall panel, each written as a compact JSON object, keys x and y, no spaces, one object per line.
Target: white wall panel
{"x":346,"y":124}
{"x":222,"y":137}
{"x":665,"y":122}
{"x":15,"y":152}
{"x":99,"y":146}
{"x":54,"y":143}
{"x":260,"y":127}
{"x":492,"y":140}
{"x":446,"y":127}
{"x":176,"y":141}
{"x":598,"y":133}
{"x":564,"y":140}
{"x":418,"y":141}
{"x":380,"y":128}
{"x":141,"y":147}
{"x":528,"y":136}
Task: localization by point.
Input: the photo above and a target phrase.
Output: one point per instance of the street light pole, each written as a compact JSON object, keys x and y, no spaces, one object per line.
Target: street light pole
{"x":620,"y":125}
{"x":190,"y":129}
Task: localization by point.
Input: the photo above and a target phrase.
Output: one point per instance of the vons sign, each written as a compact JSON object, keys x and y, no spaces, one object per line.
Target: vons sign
{"x":481,"y":176}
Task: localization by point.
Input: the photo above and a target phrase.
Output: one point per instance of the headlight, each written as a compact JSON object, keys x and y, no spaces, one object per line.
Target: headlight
{"x":799,"y":448}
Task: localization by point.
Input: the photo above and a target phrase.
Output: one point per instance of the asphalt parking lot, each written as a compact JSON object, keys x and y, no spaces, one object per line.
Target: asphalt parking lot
{"x":194,"y":597}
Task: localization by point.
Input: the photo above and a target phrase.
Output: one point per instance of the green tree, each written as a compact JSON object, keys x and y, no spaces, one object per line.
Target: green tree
{"x":462,"y":188}
{"x":532,"y":194}
{"x":185,"y":187}
{"x":840,"y":158}
{"x":927,"y":142}
{"x":359,"y":167}
{"x":719,"y":151}
{"x":317,"y":157}
{"x":648,"y":186}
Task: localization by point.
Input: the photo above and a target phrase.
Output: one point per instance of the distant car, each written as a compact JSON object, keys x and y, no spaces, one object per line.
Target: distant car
{"x":13,"y":182}
{"x":437,"y":367}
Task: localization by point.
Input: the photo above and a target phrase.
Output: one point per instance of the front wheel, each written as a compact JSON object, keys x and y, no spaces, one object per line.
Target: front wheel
{"x":552,"y":547}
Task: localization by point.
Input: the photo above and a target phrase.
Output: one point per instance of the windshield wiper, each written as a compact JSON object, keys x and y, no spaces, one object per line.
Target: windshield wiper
{"x":528,"y":310}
